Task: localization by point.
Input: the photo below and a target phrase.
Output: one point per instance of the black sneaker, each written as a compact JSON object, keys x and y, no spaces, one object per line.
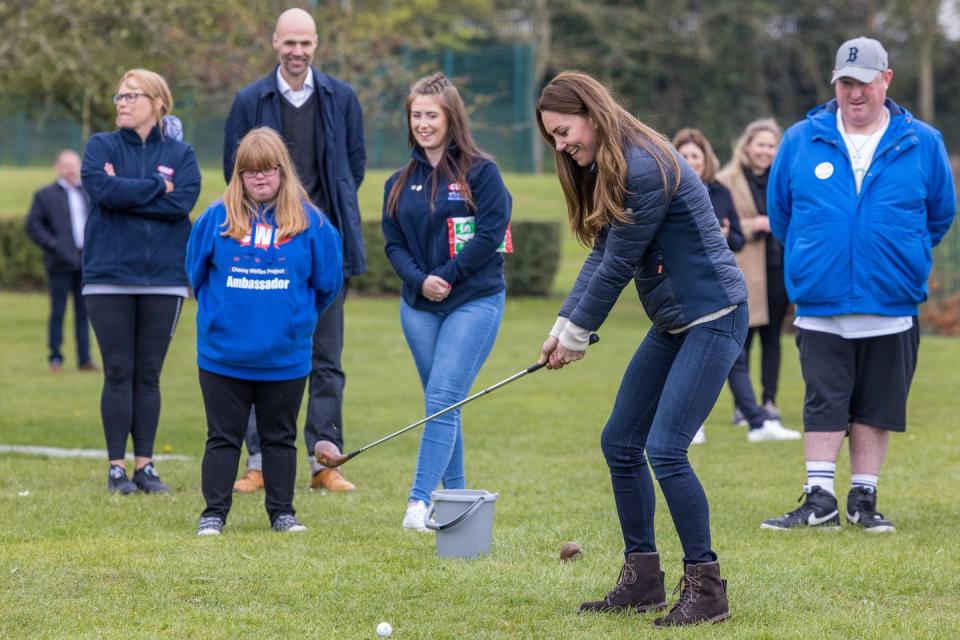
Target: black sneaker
{"x":148,"y":480}
{"x":862,"y":511}
{"x":287,"y":523}
{"x":210,"y":526}
{"x":819,"y":510}
{"x":118,"y":482}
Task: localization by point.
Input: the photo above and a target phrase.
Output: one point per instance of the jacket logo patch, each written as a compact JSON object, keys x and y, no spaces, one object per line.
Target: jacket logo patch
{"x":823,"y":170}
{"x":416,"y":187}
{"x":165,"y":171}
{"x":453,"y":192}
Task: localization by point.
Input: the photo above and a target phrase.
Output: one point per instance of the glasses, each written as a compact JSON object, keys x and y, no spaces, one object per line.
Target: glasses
{"x":129,"y":98}
{"x":266,"y":173}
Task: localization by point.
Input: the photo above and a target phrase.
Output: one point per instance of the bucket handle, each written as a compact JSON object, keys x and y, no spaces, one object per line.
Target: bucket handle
{"x":436,"y":526}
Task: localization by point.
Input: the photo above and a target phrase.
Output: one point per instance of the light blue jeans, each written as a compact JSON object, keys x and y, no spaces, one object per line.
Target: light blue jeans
{"x":448,"y":347}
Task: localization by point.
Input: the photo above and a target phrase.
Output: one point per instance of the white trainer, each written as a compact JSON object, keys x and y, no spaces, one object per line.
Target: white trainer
{"x":772,"y":430}
{"x":416,"y":516}
{"x":700,"y":437}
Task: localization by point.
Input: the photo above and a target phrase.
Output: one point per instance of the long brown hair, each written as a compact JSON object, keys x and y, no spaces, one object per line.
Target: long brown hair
{"x":451,"y":166}
{"x":156,"y":88}
{"x":260,"y":149}
{"x":595,"y":198}
{"x":689,"y":135}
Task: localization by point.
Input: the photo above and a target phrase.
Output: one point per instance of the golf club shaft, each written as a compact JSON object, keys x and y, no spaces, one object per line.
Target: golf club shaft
{"x":594,"y":338}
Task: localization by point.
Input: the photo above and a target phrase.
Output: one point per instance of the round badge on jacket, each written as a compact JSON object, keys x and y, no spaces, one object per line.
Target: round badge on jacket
{"x":823,"y":170}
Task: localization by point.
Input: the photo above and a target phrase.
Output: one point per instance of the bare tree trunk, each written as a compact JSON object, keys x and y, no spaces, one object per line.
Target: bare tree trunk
{"x":925,"y":12}
{"x":541,"y":39}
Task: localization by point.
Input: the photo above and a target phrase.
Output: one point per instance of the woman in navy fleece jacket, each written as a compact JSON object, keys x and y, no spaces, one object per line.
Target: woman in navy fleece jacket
{"x":142,"y":187}
{"x":264,"y":263}
{"x":445,"y":218}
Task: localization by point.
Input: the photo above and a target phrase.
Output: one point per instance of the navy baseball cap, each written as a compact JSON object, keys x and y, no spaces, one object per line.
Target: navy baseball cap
{"x":862,"y":59}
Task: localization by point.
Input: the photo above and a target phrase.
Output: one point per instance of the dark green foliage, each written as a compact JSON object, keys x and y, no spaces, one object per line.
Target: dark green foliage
{"x":21,"y":261}
{"x":380,"y":277}
{"x":536,"y":254}
{"x":530,"y":269}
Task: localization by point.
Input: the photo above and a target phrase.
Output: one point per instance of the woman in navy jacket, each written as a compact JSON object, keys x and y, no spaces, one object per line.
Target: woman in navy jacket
{"x":264,"y":264}
{"x":649,"y":219}
{"x":142,"y":188}
{"x":445,"y":218}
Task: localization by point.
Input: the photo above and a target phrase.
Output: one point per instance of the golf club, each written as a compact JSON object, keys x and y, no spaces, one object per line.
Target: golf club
{"x":328,"y":455}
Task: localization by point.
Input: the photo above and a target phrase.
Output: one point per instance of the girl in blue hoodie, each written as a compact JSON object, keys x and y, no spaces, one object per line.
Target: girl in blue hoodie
{"x":445,"y":220}
{"x":263,"y":263}
{"x":142,"y":187}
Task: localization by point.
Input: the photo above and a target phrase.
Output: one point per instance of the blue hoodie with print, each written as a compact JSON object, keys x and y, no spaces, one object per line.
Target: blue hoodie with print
{"x":258,"y":299}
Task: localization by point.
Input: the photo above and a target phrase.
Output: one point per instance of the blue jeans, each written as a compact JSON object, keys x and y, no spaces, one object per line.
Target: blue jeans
{"x":669,"y":388}
{"x":448,"y":348}
{"x":742,"y":389}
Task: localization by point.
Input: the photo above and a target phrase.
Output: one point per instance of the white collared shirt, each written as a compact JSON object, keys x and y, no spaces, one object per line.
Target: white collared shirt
{"x":296,"y":98}
{"x":78,"y":210}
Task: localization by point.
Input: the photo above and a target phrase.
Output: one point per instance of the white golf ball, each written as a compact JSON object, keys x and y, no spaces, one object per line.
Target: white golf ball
{"x":384,"y":630}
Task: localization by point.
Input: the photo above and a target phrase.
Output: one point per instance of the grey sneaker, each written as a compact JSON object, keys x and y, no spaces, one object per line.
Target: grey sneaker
{"x":210,"y":526}
{"x":771,"y":410}
{"x":148,"y":480}
{"x":738,"y":419}
{"x":118,"y":482}
{"x":287,"y":523}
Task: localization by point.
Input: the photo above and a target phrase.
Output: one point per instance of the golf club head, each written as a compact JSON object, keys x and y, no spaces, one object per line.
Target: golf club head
{"x":329,"y":455}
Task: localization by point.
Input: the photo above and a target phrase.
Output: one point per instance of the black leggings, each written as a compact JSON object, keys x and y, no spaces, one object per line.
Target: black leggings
{"x":227,"y":402}
{"x":777,"y":305}
{"x":133,"y":332}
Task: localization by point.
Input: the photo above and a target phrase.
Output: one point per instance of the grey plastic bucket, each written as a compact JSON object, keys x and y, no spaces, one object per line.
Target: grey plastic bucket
{"x":463,"y":520}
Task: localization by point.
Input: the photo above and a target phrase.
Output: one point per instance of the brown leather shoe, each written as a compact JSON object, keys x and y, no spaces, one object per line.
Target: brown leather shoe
{"x":89,"y":365}
{"x":703,"y":597}
{"x":331,"y":480}
{"x":639,"y":587}
{"x":251,"y":482}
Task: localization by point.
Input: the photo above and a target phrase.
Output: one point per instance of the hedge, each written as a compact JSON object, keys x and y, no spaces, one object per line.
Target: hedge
{"x":530,"y":269}
{"x":21,"y":261}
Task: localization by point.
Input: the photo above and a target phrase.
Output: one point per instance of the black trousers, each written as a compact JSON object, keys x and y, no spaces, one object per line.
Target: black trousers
{"x":134,"y":332}
{"x":777,"y":305}
{"x":61,"y":285}
{"x":325,"y":406}
{"x":227,"y":402}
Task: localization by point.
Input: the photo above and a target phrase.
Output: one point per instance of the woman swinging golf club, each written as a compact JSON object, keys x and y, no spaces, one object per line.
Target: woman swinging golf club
{"x":444,"y":220}
{"x":649,"y":218}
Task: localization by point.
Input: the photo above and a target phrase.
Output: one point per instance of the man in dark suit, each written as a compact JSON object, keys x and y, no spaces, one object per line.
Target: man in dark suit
{"x":56,"y":222}
{"x":320,"y":119}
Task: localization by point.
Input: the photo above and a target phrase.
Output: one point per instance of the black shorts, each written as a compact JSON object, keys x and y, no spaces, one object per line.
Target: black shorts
{"x":863,"y":380}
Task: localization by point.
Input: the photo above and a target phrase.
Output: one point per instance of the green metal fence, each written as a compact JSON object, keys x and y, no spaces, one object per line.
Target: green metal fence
{"x":496,"y":82}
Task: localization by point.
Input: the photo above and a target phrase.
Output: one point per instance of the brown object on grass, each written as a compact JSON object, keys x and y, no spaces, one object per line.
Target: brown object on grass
{"x":570,"y":552}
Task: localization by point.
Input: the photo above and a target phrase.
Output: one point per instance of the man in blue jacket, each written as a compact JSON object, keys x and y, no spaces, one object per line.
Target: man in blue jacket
{"x":859,"y":194}
{"x":56,"y":222}
{"x":320,"y":119}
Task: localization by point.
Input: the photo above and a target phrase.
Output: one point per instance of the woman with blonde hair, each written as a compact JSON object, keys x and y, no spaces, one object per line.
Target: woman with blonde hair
{"x":263,"y":263}
{"x":142,"y":187}
{"x":761,"y":261}
{"x":649,"y":219}
{"x":445,"y":220}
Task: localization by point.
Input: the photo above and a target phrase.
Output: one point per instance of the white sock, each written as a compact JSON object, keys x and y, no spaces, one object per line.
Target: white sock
{"x":864,"y":480}
{"x":820,"y":474}
{"x":315,"y":467}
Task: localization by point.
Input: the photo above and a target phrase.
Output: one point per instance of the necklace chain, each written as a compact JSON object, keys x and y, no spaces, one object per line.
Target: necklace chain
{"x":858,"y":149}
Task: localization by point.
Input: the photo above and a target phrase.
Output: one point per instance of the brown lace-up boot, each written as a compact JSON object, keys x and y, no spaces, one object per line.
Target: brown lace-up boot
{"x":703,"y":597}
{"x":639,"y":587}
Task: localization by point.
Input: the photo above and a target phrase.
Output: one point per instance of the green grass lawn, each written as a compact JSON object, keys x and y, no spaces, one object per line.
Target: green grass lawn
{"x":76,"y":562}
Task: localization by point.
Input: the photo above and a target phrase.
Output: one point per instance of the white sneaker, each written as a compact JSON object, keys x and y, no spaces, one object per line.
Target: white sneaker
{"x":772,"y":430}
{"x":416,"y":516}
{"x":700,"y":437}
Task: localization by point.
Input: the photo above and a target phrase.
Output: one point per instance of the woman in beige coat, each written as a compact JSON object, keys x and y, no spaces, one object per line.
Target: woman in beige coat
{"x":761,"y":261}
